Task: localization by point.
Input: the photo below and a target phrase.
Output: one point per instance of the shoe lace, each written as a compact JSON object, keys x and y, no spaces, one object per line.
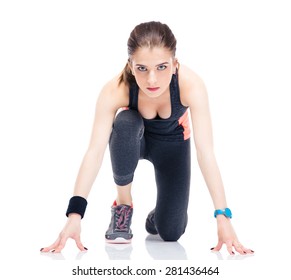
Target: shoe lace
{"x":122,"y":216}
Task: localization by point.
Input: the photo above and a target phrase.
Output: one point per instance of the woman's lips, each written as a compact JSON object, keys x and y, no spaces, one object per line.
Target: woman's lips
{"x":152,"y":88}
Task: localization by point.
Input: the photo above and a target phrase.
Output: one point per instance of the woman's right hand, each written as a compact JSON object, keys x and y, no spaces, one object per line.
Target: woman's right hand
{"x":72,"y":230}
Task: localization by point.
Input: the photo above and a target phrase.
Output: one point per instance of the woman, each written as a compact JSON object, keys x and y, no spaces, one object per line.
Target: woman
{"x":155,"y":93}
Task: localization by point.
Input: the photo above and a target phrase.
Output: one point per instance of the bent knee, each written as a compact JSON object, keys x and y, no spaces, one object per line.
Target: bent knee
{"x":170,"y":234}
{"x":172,"y":228}
{"x":128,"y":122}
{"x":128,"y":117}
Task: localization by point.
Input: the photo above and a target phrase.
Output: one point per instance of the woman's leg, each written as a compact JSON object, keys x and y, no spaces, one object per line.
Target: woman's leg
{"x":125,"y":146}
{"x":172,"y":170}
{"x":125,"y":150}
{"x":124,"y":195}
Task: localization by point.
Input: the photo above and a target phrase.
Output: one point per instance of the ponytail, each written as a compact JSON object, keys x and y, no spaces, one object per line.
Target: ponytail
{"x":126,"y":76}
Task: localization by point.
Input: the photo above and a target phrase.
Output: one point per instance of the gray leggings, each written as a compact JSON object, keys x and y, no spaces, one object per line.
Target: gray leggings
{"x":171,"y":159}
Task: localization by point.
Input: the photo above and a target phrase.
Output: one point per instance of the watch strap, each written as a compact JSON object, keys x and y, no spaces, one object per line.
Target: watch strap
{"x":226,"y":212}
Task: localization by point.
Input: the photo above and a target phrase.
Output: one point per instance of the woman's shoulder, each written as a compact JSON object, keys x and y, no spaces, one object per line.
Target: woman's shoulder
{"x":187,"y":76}
{"x":190,"y":83}
{"x":115,"y":86}
{"x":115,"y":93}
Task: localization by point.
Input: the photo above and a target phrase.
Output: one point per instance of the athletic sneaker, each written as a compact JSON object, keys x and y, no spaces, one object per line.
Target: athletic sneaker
{"x":119,"y":228}
{"x":150,"y":223}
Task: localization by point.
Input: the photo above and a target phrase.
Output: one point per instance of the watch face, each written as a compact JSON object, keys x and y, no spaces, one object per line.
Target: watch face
{"x":227,"y":213}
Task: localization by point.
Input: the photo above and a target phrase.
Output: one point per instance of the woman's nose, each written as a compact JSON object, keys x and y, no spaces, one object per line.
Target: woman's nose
{"x":152,"y":78}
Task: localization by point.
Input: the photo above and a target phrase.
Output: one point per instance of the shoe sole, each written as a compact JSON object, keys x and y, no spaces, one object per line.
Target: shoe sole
{"x":118,"y":240}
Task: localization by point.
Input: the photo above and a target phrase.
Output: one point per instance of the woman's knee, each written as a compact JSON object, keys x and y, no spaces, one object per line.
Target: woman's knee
{"x":128,"y":122}
{"x":171,"y":230}
{"x":170,"y":235}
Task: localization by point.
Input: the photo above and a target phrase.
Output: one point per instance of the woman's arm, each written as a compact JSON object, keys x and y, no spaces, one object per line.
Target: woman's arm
{"x":194,"y":95}
{"x":111,"y":98}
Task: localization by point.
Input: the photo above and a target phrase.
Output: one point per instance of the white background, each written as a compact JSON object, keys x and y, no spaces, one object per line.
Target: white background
{"x":55,"y":57}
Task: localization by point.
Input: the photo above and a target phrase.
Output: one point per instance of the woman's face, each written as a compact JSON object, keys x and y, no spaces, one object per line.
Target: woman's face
{"x":153,"y":69}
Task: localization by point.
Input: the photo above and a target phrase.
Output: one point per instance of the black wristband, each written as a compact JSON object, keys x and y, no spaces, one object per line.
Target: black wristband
{"x":77,"y":204}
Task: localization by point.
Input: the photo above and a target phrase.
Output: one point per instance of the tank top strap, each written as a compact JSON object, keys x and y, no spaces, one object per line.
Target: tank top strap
{"x":133,"y":96}
{"x":175,"y":96}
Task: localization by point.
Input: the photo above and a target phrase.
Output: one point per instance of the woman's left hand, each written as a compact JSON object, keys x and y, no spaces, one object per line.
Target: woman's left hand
{"x":227,"y":236}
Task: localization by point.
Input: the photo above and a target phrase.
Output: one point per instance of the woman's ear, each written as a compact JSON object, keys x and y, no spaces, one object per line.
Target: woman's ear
{"x":129,"y":67}
{"x":176,"y":65}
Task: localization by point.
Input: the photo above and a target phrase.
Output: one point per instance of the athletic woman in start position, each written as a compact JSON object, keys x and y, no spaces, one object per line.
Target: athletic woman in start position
{"x":143,"y":114}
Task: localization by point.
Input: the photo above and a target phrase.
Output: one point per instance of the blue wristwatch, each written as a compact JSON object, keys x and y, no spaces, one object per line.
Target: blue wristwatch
{"x":226,"y":212}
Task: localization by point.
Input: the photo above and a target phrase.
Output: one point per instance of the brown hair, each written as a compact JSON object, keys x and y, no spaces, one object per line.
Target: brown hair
{"x":148,"y":34}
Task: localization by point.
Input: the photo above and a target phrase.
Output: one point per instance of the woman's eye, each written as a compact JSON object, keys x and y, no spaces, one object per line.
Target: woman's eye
{"x":141,"y":68}
{"x":162,"y":67}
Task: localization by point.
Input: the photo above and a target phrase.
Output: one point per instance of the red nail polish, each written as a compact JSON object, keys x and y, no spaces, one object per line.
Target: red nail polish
{"x":212,"y":248}
{"x":86,"y":248}
{"x":41,"y":249}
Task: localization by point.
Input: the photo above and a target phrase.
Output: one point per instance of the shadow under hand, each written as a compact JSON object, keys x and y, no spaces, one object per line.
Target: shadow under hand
{"x":231,"y":258}
{"x":60,"y":256}
{"x":159,"y":249}
{"x":118,"y":251}
{"x":53,"y":256}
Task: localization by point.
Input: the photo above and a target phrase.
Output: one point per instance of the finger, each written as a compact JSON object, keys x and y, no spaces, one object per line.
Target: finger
{"x":218,"y":246}
{"x":51,"y":247}
{"x":61,"y":245}
{"x":79,"y":244}
{"x":239,"y":248}
{"x":229,"y":247}
{"x":246,"y":250}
